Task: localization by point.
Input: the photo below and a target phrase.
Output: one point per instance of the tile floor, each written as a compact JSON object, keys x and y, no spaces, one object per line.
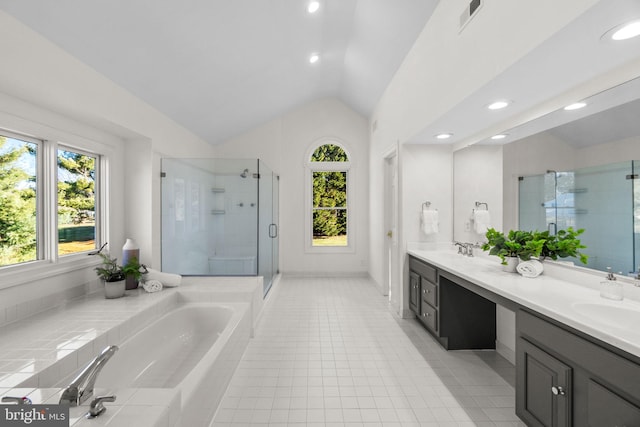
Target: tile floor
{"x":329,"y":352}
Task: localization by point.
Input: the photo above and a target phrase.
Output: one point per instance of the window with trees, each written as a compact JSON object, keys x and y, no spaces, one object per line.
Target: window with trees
{"x":38,"y":181}
{"x":329,"y":166}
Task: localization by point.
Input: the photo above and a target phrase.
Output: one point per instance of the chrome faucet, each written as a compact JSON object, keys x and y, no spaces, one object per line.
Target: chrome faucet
{"x":81,"y":388}
{"x":465,"y":248}
{"x":462,"y":248}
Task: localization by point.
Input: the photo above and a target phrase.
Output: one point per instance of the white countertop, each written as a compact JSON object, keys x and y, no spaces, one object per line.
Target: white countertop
{"x":558,"y":299}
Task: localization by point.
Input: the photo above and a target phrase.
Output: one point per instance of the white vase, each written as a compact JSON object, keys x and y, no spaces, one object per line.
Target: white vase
{"x":512,"y":263}
{"x":114,"y":289}
{"x":130,"y":250}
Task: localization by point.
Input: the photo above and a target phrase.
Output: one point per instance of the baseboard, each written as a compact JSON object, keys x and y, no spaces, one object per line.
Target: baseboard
{"x":330,"y":274}
{"x":506,"y":352}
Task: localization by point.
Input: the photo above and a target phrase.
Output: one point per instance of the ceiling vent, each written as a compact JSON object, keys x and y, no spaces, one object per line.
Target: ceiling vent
{"x":469,"y":12}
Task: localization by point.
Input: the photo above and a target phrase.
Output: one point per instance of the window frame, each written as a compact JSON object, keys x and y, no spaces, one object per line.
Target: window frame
{"x":310,"y":168}
{"x":48,"y":262}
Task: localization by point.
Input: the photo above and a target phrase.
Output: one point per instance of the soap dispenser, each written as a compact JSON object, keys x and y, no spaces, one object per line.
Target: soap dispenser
{"x":610,"y":288}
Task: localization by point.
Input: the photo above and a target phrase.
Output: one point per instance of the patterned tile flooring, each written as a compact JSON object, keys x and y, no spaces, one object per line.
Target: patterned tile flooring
{"x":329,"y":352}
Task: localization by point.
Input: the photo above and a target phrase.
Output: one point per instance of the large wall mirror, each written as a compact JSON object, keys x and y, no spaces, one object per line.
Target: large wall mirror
{"x":576,"y":168}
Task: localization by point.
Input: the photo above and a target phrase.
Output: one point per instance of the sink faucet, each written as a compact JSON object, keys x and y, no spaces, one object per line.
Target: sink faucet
{"x":81,"y":388}
{"x":462,"y":248}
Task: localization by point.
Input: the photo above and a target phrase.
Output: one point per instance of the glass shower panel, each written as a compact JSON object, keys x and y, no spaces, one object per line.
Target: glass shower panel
{"x":534,"y":204}
{"x":209,"y":216}
{"x":635,"y":175}
{"x":268,"y":226}
{"x":603,"y":201}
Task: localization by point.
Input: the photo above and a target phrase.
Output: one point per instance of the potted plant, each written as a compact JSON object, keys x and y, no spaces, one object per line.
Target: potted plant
{"x":516,"y":245}
{"x":112,"y":275}
{"x":133,"y":272}
{"x":563,"y":244}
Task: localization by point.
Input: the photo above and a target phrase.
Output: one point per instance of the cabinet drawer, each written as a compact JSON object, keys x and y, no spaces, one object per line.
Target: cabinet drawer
{"x":424,"y":270}
{"x":429,"y":316}
{"x":429,"y":292}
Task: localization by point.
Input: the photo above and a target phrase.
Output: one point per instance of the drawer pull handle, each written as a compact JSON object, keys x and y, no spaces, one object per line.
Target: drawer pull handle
{"x":426,"y":314}
{"x":558,"y":391}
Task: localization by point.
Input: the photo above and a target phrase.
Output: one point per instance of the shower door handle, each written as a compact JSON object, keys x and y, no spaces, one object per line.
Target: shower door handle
{"x":273,"y":231}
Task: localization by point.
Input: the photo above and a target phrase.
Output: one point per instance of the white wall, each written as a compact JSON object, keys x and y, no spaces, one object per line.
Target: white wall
{"x":284,"y":144}
{"x":477,"y":177}
{"x":425,"y":175}
{"x":46,"y":92}
{"x":436,"y":75}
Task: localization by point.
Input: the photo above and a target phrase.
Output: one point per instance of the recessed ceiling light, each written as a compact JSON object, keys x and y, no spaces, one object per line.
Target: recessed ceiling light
{"x":497,"y":105}
{"x":313,"y":6}
{"x":626,"y":31}
{"x":444,"y":135}
{"x":575,"y":106}
{"x":314,"y":58}
{"x":499,"y":136}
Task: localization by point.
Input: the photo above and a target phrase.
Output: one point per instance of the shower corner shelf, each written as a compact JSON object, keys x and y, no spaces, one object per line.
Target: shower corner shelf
{"x":578,"y":191}
{"x":218,"y":212}
{"x":217,"y":190}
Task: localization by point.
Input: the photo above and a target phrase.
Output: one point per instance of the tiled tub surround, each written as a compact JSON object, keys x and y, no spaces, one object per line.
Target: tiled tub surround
{"x":40,"y":354}
{"x":558,"y":293}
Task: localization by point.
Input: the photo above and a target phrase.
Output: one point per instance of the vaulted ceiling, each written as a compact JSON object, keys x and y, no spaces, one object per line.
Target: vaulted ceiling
{"x":222,"y":67}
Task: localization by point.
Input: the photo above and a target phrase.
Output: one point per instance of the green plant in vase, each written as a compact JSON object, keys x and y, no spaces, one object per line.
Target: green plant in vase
{"x":563,"y":244}
{"x":516,"y":244}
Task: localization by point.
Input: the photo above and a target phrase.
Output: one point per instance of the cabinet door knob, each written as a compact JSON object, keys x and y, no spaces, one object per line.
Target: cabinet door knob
{"x":558,"y":391}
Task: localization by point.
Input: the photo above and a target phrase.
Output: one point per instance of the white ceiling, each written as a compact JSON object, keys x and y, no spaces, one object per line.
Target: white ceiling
{"x":572,"y":57}
{"x":222,"y":67}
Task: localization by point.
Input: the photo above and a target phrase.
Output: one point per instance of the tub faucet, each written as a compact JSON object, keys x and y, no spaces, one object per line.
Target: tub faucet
{"x":81,"y":388}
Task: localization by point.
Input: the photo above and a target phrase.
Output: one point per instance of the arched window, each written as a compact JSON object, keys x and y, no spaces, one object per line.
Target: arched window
{"x":329,"y":166}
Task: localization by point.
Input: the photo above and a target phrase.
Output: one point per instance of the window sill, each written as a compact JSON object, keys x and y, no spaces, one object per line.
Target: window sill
{"x":37,"y":270}
{"x":330,"y":250}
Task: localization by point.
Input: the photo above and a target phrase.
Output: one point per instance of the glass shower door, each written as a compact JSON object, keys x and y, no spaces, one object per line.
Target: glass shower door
{"x":267,"y":226}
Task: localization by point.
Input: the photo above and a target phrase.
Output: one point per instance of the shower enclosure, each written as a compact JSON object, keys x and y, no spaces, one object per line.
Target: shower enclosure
{"x":604,"y":200}
{"x":220,"y":218}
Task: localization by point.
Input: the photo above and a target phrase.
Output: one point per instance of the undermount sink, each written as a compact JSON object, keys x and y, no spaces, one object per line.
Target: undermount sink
{"x":612,"y":314}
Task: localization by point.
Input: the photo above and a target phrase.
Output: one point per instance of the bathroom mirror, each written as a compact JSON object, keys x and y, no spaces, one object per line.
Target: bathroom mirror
{"x":597,"y":143}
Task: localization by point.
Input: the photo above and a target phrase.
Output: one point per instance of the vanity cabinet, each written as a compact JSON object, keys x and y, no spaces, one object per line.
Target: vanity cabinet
{"x":566,"y":378}
{"x":423,"y":282}
{"x":456,"y":316}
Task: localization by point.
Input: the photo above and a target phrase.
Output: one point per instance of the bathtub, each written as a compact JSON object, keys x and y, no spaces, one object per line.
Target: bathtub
{"x":193,"y":349}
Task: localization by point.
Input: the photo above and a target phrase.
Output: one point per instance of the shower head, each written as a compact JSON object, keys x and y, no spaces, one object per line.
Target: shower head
{"x":245,"y":173}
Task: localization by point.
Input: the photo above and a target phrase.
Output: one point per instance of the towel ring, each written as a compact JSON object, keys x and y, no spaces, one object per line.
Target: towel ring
{"x":426,"y":205}
{"x":486,"y":205}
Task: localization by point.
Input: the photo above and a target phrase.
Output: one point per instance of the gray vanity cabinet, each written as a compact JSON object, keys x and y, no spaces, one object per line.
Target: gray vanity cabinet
{"x":566,"y":378}
{"x":423,"y":284}
{"x":456,"y":316}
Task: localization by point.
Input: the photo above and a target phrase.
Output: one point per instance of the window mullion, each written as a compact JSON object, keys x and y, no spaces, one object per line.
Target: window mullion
{"x":48,"y":221}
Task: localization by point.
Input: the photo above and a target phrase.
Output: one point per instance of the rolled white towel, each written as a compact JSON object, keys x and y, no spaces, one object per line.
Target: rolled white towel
{"x":532,"y":268}
{"x":429,"y":221}
{"x":152,"y":286}
{"x":168,"y":280}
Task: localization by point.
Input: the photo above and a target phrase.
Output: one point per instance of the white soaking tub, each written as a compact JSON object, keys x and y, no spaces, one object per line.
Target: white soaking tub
{"x":193,"y":349}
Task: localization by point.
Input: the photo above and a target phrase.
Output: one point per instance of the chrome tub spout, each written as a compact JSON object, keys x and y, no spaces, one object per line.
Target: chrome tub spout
{"x":81,"y":388}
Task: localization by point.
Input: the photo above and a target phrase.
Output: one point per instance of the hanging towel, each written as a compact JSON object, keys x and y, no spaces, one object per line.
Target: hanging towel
{"x":168,"y":280}
{"x":152,"y":286}
{"x":429,"y":221}
{"x":481,"y":221}
{"x":532,"y":268}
